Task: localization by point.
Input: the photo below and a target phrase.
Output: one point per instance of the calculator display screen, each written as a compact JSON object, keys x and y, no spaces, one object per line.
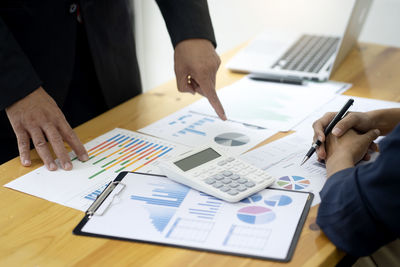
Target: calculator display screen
{"x":197,"y":159}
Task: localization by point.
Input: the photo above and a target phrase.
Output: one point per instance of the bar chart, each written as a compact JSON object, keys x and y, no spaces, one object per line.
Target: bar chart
{"x":161,"y":201}
{"x":127,"y":151}
{"x":109,"y":154}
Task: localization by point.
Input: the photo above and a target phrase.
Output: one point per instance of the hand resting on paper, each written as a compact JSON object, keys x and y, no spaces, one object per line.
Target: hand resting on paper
{"x":38,"y":117}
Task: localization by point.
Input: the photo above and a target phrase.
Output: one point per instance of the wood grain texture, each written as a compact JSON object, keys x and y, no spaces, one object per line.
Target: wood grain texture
{"x":35,"y":232}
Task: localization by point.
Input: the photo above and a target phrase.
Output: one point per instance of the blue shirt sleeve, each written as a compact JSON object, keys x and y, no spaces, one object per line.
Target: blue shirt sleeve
{"x":360,"y":207}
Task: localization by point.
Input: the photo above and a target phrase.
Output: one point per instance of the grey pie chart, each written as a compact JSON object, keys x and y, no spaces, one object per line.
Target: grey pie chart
{"x":232,"y":139}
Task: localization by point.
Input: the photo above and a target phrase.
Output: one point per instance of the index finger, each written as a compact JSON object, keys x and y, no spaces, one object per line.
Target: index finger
{"x":72,"y":139}
{"x":210,"y":93}
{"x":320,"y":124}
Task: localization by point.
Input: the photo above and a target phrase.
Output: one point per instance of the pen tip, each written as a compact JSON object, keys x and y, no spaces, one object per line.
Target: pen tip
{"x":304,"y":161}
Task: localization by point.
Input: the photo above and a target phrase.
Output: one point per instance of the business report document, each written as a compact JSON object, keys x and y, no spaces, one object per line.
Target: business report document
{"x":157,"y":210}
{"x":271,"y":105}
{"x":193,"y":130}
{"x":115,"y":151}
{"x":282,"y":157}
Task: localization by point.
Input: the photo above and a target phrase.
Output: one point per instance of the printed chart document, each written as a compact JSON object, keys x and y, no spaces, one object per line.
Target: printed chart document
{"x":113,"y":152}
{"x":155,"y":209}
{"x":192,"y":129}
{"x":275,"y":106}
{"x":282,"y":159}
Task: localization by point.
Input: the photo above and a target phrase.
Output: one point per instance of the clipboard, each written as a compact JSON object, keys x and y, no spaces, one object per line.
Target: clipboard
{"x":154,"y":209}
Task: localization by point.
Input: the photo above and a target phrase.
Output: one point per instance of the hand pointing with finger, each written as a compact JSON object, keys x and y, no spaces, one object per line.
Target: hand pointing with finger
{"x":196,"y":65}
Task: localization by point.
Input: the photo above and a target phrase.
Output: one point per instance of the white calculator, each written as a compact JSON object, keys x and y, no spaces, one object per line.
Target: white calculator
{"x":208,"y":170}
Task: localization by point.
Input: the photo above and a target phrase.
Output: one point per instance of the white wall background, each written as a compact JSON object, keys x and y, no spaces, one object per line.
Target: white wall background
{"x":236,"y":21}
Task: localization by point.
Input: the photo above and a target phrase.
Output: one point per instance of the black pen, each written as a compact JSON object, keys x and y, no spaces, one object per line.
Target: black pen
{"x":329,"y":128}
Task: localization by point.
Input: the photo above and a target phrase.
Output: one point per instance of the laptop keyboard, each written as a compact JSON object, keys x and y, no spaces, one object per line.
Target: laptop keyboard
{"x":308,"y":54}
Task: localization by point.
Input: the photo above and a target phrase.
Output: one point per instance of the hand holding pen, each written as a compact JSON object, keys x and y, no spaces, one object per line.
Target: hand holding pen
{"x":328,"y":129}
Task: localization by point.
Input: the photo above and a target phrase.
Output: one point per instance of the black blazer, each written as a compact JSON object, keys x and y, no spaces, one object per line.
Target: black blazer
{"x":38,"y":39}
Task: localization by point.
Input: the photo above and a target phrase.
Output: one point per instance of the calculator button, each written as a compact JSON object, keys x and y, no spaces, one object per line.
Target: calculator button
{"x":243,"y":166}
{"x":230,"y":159}
{"x":241,"y":188}
{"x":227,"y":173}
{"x":242,"y":181}
{"x":261,"y":178}
{"x":236,"y":169}
{"x":209,"y":173}
{"x":267,"y":177}
{"x":225,"y":188}
{"x":196,"y":174}
{"x":255,"y":177}
{"x":233,"y":192}
{"x":243,"y":172}
{"x":249,"y":170}
{"x":217,"y":184}
{"x":234,"y":177}
{"x":234,"y":184}
{"x":221,"y":163}
{"x":210,"y":181}
{"x":259,"y":173}
{"x":203,"y":176}
{"x":218,"y":177}
{"x":249,"y":184}
{"x":226,"y":180}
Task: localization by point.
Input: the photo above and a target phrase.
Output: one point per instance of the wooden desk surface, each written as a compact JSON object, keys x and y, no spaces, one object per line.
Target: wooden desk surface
{"x":36,"y":232}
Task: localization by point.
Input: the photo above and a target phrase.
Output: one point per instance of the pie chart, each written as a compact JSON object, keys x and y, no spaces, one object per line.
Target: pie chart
{"x":278,"y":200}
{"x":256,"y":215}
{"x":252,"y":199}
{"x":232,"y":139}
{"x":293,"y":182}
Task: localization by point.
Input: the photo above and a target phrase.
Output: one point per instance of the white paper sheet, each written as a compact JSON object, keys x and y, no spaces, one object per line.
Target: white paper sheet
{"x":156,"y":209}
{"x":361,"y":104}
{"x":274,"y":106}
{"x":113,"y":152}
{"x":282,"y":159}
{"x":193,"y":130}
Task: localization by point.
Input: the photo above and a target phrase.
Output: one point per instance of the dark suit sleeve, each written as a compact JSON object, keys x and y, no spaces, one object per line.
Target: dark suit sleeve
{"x":360,"y":207}
{"x":17,"y":76}
{"x":187,"y":19}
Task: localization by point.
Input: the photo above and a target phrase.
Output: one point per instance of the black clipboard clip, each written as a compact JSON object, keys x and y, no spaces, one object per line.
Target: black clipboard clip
{"x":104,"y":196}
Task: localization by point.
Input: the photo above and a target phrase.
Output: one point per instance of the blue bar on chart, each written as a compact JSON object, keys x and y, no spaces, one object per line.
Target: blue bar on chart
{"x":206,"y":209}
{"x":192,"y":128}
{"x":160,"y":216}
{"x":165,"y":194}
{"x":93,"y":195}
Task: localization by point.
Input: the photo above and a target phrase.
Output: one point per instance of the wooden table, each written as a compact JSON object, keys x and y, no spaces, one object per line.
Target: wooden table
{"x":36,"y":232}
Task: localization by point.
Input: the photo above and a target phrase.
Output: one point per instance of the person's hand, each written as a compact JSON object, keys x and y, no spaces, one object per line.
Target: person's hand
{"x":197,"y":58}
{"x":38,"y":117}
{"x":360,"y":121}
{"x":346,"y":151}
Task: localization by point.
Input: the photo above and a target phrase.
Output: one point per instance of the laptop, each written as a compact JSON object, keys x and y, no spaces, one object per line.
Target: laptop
{"x":294,"y":57}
